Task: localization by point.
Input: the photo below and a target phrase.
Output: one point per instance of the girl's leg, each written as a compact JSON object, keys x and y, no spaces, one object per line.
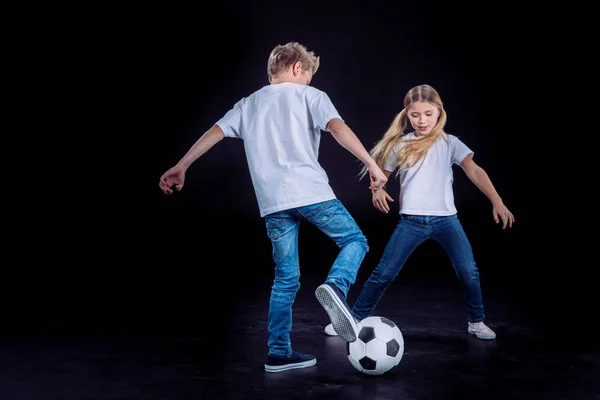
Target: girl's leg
{"x":408,"y":235}
{"x":450,"y":234}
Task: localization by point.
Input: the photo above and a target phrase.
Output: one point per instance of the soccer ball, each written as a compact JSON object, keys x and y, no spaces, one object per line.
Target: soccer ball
{"x":378,"y":348}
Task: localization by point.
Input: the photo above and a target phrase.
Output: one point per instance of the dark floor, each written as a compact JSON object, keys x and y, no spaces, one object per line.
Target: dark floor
{"x":164,"y":311}
{"x":172,"y":349}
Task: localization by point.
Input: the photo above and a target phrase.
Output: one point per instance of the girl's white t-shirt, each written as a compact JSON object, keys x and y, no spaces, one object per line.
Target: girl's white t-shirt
{"x":426,"y":188}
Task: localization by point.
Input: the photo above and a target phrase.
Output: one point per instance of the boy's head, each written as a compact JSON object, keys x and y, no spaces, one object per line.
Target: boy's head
{"x":292,"y":62}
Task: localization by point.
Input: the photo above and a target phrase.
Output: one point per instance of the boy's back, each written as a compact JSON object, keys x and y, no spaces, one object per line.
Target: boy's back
{"x":281,"y":127}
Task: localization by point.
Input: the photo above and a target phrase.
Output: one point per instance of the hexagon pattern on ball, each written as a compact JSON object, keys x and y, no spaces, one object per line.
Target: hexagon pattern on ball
{"x":378,"y":348}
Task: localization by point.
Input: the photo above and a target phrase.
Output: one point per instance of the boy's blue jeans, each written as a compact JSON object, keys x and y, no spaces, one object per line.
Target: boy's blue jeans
{"x":332,"y":218}
{"x":411,"y":231}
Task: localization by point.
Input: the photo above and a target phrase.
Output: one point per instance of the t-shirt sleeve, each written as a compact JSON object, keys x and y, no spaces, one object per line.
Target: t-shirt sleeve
{"x":322,"y":111}
{"x":459,"y":150}
{"x":389,"y":162}
{"x":231,"y":122}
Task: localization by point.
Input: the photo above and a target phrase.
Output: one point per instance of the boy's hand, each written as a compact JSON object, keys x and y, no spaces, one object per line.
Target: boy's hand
{"x":173,"y":177}
{"x":378,"y":178}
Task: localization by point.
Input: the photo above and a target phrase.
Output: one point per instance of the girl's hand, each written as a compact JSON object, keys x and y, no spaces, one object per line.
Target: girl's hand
{"x":500,"y":212}
{"x":380,"y":199}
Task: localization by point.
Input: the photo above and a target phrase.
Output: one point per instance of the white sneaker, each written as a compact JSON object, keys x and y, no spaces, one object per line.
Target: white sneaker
{"x":481,"y":330}
{"x":330,"y":331}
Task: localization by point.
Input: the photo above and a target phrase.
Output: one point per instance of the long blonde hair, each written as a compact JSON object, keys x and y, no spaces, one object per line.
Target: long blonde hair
{"x":413,"y":150}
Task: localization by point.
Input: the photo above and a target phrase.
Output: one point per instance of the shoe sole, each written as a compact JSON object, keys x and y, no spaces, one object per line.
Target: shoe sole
{"x":280,"y":368}
{"x":342,"y":321}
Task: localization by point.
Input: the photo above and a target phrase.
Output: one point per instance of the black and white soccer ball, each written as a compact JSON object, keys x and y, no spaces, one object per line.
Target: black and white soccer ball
{"x":378,"y":348}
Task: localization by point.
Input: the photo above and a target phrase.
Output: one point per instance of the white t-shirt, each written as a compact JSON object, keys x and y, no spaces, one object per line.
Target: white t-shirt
{"x":426,"y":188}
{"x":281,"y":127}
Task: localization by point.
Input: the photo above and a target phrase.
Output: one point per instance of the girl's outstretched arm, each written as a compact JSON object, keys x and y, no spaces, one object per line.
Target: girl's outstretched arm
{"x":480,"y":178}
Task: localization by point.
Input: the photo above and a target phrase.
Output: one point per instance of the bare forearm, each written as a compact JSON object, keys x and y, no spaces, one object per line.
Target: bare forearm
{"x":202,"y":145}
{"x":481,"y":179}
{"x":348,"y":140}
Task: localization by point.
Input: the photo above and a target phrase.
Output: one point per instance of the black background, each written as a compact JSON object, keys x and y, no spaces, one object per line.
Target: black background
{"x":118,"y":95}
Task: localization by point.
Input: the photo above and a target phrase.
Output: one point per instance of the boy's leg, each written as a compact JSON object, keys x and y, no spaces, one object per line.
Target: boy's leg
{"x":332,"y":218}
{"x":282,"y":229}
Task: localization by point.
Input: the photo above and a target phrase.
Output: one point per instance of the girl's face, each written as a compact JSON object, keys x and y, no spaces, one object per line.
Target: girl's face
{"x":423,"y":116}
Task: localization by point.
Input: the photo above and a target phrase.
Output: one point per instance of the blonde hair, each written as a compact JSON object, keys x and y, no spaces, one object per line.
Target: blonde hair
{"x":412,"y":150}
{"x":283,"y":56}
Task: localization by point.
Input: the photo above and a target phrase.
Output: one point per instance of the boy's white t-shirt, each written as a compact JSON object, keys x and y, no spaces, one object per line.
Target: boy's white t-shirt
{"x":426,"y":188}
{"x":281,"y":127}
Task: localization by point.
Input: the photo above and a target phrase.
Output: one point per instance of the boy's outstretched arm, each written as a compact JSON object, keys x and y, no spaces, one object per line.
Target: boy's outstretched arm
{"x":480,"y":178}
{"x":175,"y":176}
{"x":348,"y":140}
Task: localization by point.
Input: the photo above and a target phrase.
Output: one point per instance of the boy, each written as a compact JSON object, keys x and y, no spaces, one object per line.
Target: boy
{"x":281,"y":126}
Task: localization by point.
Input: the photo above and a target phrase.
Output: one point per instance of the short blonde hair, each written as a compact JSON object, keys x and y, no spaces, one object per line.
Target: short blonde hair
{"x":284,"y":56}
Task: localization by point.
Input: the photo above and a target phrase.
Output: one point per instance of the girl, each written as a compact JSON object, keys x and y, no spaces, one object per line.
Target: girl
{"x":423,"y":162}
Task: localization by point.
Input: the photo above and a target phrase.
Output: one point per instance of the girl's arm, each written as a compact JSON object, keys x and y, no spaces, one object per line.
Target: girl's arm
{"x":480,"y":178}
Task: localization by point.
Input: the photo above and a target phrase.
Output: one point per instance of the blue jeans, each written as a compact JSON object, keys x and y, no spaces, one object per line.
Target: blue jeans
{"x":332,"y":218}
{"x":411,"y":231}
